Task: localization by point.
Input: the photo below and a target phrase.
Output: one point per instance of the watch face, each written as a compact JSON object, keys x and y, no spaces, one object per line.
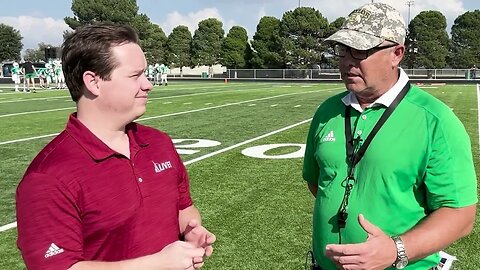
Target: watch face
{"x":401,"y":264}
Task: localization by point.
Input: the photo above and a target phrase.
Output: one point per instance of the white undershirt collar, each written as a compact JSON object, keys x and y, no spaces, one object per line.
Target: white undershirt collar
{"x":386,"y":99}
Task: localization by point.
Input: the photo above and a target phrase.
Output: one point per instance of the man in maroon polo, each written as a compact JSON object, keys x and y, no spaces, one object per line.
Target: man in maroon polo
{"x":108,"y":193}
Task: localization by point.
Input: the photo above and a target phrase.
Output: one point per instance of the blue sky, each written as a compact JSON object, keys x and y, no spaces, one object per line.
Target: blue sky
{"x":42,"y":21}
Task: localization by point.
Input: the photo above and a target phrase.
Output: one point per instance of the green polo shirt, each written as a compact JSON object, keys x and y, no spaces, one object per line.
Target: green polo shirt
{"x":419,"y":161}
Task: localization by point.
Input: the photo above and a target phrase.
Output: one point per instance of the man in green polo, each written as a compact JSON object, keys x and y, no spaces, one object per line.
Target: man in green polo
{"x":388,"y":163}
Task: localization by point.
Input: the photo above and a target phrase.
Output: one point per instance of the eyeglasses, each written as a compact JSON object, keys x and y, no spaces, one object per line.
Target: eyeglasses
{"x":341,"y":50}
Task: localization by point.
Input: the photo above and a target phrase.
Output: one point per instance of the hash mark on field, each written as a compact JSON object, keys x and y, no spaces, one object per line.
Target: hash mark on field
{"x":297,"y":106}
{"x":304,"y":86}
{"x":187,"y":103}
{"x":167,"y":102}
{"x":274,"y":105}
{"x":209,"y":103}
{"x":287,"y":86}
{"x":250,"y":105}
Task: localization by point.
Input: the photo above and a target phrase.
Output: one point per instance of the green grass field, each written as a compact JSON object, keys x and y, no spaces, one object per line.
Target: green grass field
{"x":259,"y":209}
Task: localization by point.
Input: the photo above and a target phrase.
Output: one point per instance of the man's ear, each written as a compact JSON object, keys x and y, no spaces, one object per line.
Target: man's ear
{"x":91,"y":81}
{"x":399,"y":52}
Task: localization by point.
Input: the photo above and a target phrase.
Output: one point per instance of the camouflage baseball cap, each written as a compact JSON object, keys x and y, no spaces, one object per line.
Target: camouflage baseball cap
{"x":369,"y":26}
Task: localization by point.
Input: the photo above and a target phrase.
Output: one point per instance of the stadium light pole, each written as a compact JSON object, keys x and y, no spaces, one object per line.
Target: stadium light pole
{"x":409,"y":4}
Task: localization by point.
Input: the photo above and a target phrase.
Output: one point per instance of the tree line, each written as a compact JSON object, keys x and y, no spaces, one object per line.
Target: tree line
{"x":294,"y":41}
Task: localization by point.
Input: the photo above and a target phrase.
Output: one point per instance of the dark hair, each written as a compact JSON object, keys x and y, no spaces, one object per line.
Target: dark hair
{"x":89,"y":49}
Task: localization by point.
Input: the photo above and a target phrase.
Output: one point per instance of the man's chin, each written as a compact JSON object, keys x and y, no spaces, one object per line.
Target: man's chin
{"x":354,"y":87}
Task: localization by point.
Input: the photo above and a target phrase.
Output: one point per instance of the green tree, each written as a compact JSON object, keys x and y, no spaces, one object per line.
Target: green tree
{"x":267,"y":44}
{"x":427,"y":41}
{"x":152,"y":39}
{"x":235,"y":48}
{"x":465,"y":50}
{"x":38,"y":54}
{"x":179,"y":47}
{"x":328,"y":60}
{"x":10,"y":43}
{"x":303,"y":31}
{"x":207,"y":42}
{"x":89,"y":11}
{"x":335,"y":26}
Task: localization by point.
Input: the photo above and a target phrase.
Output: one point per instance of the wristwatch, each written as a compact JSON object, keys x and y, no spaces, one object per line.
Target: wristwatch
{"x":402,"y":259}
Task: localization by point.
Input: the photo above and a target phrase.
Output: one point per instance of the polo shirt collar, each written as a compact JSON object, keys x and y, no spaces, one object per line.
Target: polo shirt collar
{"x":386,"y":99}
{"x":97,"y":149}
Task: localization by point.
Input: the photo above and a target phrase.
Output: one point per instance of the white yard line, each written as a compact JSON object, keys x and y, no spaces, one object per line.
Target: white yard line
{"x":150,"y":99}
{"x":32,"y":112}
{"x":30,"y":99}
{"x":199,"y":94}
{"x":478,"y":115}
{"x":245,"y":142}
{"x":29,"y":139}
{"x":14,"y":224}
{"x":8,"y":226}
{"x":184,"y":112}
{"x":230,"y":104}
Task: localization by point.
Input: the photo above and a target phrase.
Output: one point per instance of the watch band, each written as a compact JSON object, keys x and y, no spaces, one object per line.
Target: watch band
{"x":402,"y":258}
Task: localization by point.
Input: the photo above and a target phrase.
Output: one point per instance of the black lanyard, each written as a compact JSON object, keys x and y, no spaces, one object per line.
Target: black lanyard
{"x":355,"y":156}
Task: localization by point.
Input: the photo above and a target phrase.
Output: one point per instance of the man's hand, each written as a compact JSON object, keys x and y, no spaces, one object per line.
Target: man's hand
{"x":197,"y":235}
{"x":178,"y":255}
{"x":378,"y":252}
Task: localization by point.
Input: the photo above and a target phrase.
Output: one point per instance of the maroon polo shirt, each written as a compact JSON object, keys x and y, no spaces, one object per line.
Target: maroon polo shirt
{"x":80,"y":200}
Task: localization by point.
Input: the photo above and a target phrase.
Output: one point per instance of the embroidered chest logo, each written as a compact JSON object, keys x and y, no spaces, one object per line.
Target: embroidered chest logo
{"x":162,"y":166}
{"x":329,"y":137}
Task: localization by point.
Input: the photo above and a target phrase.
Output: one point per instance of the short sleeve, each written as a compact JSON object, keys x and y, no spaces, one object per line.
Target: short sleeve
{"x":185,"y":200}
{"x":310,"y":165}
{"x":450,"y":177}
{"x":48,"y":223}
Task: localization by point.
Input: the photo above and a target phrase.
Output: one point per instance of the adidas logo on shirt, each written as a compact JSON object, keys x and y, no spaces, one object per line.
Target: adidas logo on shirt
{"x":53,"y":250}
{"x":329,"y":137}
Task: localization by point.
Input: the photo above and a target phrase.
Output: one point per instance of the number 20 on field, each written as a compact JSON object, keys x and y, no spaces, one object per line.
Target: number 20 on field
{"x":191,"y":146}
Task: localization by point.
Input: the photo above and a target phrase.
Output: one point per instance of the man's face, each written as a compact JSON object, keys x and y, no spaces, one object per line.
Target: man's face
{"x":367,"y":75}
{"x":125,"y":94}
